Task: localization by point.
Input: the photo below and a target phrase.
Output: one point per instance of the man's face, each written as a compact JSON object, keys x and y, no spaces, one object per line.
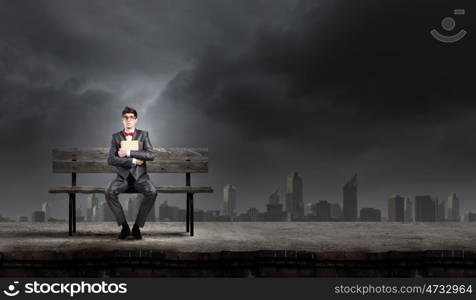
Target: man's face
{"x":129,"y":120}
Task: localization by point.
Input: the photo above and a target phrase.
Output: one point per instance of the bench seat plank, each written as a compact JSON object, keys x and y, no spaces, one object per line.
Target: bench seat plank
{"x":156,"y":166}
{"x":100,"y":189}
{"x":173,"y":153}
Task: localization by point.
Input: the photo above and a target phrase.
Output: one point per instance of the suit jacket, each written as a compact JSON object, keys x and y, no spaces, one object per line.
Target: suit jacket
{"x":123,"y":165}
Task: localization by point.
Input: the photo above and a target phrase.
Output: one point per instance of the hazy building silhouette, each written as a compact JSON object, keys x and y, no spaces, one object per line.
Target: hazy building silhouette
{"x":198,"y":215}
{"x":253,"y":214}
{"x":229,"y":201}
{"x":369,"y":214}
{"x":79,"y":215}
{"x":274,"y":209}
{"x":440,"y":210}
{"x":452,"y":208}
{"x":211,"y":215}
{"x":103,"y":213}
{"x":22,"y":219}
{"x":91,"y":202}
{"x":408,"y":210}
{"x":308,"y":209}
{"x":350,"y":200}
{"x":425,"y":208}
{"x":46,"y":208}
{"x":294,"y":196}
{"x":38,"y":216}
{"x":336,"y":211}
{"x":171,"y":213}
{"x":98,"y":213}
{"x":396,"y":208}
{"x":321,"y":211}
{"x":469,"y":216}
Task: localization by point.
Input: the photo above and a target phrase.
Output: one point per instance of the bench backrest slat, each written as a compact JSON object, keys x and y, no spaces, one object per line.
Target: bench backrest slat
{"x":94,"y":160}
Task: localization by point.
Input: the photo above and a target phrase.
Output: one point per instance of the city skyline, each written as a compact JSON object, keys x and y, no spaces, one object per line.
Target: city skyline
{"x":320,"y":211}
{"x":426,"y":208}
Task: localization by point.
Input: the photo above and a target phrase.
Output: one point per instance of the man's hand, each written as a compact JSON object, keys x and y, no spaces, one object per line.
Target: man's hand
{"x":139,"y":162}
{"x":122,"y":152}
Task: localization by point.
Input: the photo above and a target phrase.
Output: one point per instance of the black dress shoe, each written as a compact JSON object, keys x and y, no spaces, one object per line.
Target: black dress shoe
{"x":125,"y":232}
{"x":136,"y":233}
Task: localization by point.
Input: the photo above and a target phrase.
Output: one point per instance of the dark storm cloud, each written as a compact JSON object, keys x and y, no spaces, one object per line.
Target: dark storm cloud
{"x":146,"y":37}
{"x":341,"y":87}
{"x":78,"y":62}
{"x":342,"y":77}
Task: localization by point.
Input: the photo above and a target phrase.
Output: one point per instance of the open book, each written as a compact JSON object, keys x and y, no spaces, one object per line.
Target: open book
{"x":130,"y":145}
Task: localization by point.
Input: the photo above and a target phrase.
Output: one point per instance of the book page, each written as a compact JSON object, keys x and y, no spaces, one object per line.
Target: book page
{"x":130,"y":145}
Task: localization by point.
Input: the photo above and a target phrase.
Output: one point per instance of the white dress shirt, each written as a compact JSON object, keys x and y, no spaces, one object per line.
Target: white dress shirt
{"x":129,"y":138}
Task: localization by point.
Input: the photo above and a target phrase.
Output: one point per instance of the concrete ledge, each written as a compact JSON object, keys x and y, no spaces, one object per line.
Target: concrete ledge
{"x":241,"y":249}
{"x":264,"y":263}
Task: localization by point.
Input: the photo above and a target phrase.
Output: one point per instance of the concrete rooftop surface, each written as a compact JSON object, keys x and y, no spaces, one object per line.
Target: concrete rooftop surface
{"x":244,"y":236}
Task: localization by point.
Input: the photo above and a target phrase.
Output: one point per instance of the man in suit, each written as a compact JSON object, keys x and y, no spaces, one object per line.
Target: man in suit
{"x":131,"y":169}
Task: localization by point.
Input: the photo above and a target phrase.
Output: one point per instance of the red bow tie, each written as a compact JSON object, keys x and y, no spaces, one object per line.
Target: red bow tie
{"x":128,"y":133}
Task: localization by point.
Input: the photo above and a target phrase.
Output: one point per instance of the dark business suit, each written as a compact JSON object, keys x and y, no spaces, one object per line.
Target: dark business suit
{"x":131,"y":177}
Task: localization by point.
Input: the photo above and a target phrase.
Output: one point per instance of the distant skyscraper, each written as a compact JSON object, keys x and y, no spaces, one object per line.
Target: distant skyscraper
{"x":396,"y":208}
{"x":322,"y":210}
{"x":229,"y":201}
{"x":308,"y":208}
{"x":98,"y":213}
{"x":469,"y":216}
{"x":79,"y":215}
{"x":45,"y":207}
{"x":274,"y":209}
{"x":425,"y":208}
{"x":336,"y":211}
{"x":350,"y":200}
{"x":165,"y":213}
{"x":91,"y":202}
{"x":274,"y":198}
{"x":368,"y":214}
{"x":253,"y":214}
{"x":294,"y":197}
{"x":452,"y":209}
{"x":408,"y":210}
{"x":440,"y":210}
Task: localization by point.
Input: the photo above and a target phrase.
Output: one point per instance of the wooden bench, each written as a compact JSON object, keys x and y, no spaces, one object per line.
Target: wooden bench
{"x":94,"y":160}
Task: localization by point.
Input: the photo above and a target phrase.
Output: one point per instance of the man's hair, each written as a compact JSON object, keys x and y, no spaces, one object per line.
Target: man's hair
{"x":129,"y":110}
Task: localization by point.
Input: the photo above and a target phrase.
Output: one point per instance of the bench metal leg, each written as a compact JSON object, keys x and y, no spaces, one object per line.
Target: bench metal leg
{"x":72,"y":206}
{"x":187,"y":214}
{"x":191,"y":214}
{"x":188,"y":211}
{"x":74,"y":212}
{"x":70,"y":215}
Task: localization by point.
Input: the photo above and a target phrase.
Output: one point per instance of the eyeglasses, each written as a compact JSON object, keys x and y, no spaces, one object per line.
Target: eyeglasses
{"x":129,"y":118}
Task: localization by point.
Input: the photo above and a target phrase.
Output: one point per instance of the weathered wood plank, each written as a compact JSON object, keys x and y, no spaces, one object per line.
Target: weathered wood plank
{"x":155,"y":166}
{"x":100,"y":189}
{"x":92,"y":154}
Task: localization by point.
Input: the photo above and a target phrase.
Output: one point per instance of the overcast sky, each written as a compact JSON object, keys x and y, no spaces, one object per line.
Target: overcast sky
{"x":327,"y":88}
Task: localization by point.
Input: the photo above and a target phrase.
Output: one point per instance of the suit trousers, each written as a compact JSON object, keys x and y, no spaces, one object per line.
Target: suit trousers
{"x":142,"y":185}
